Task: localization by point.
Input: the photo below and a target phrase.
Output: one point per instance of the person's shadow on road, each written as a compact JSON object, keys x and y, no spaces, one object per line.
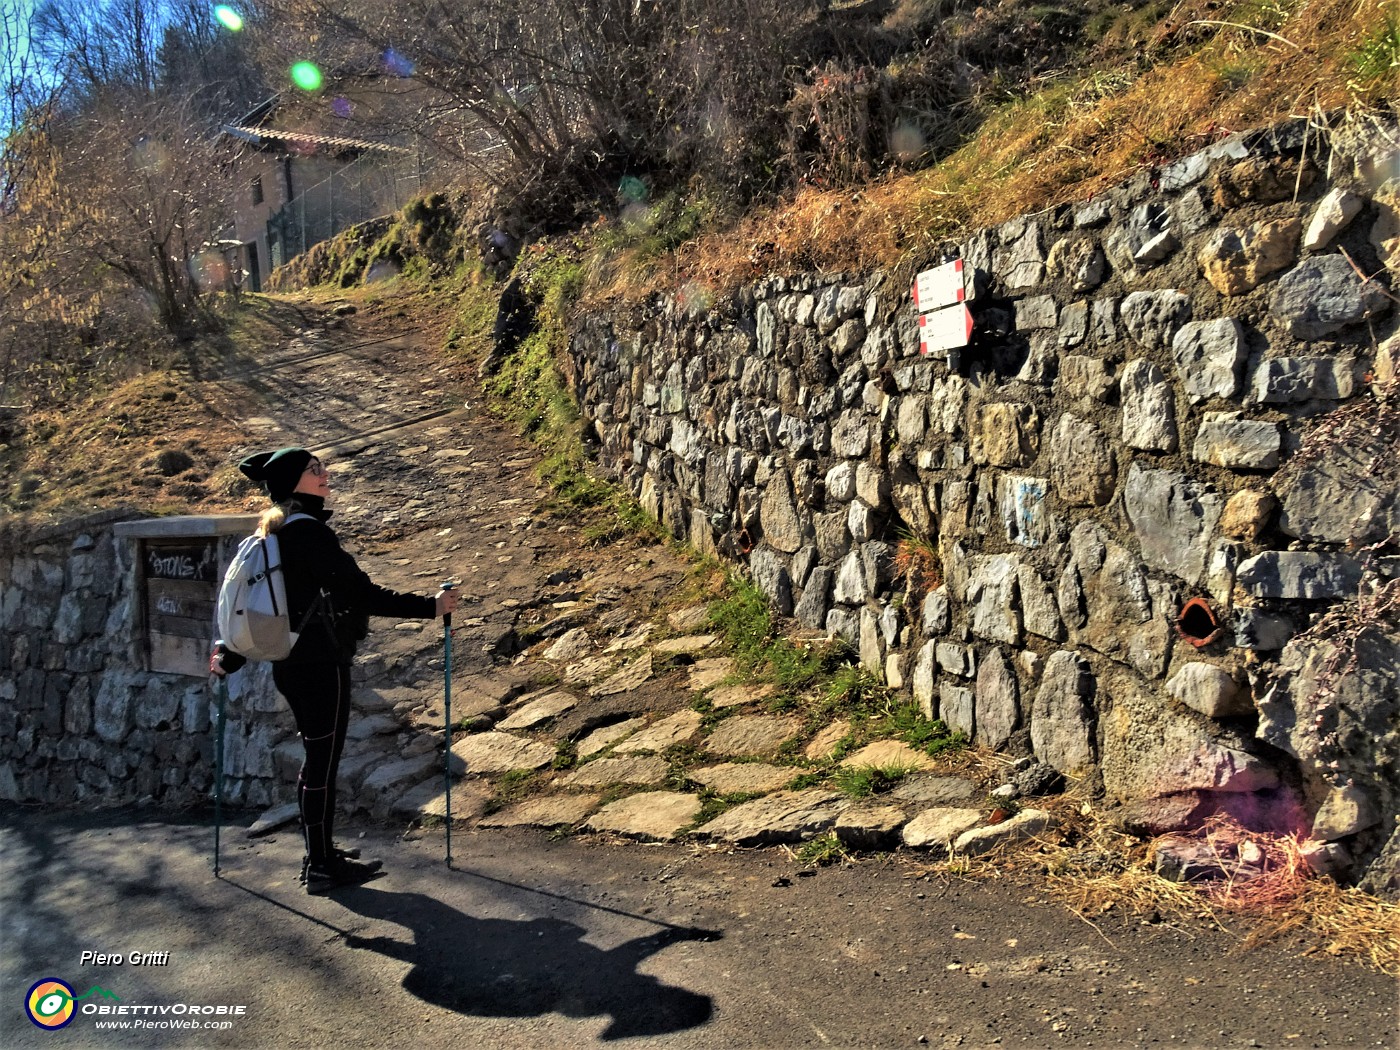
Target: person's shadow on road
{"x":506,"y":968}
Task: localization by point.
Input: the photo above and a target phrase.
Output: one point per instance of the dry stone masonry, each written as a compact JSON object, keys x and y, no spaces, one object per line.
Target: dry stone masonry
{"x":1141,"y":533}
{"x":81,"y":717}
{"x":1129,"y":429}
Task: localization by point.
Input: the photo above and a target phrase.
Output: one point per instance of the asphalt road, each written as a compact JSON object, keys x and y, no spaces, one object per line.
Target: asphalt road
{"x":532,"y":942}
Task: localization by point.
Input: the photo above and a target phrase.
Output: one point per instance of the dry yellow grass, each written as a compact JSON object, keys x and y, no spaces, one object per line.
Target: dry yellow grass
{"x":1106,"y":870}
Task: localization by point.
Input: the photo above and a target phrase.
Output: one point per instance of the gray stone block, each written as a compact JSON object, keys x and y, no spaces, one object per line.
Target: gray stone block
{"x":1300,"y":574}
{"x":1283,"y":380}
{"x":1149,"y":408}
{"x":1174,"y":519}
{"x":1210,"y":357}
{"x":1061,"y":717}
{"x":1083,"y":467}
{"x":1228,"y":440}
{"x":1323,"y":295}
{"x":997,"y":704}
{"x":1153,"y":318}
{"x":956,"y":707}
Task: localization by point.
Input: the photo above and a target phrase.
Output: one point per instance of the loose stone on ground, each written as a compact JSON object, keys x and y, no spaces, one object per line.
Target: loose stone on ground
{"x":657,"y":815}
{"x":743,"y":778}
{"x":486,"y":753}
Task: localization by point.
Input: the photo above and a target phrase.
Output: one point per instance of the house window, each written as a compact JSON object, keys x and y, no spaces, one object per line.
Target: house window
{"x":257,"y":190}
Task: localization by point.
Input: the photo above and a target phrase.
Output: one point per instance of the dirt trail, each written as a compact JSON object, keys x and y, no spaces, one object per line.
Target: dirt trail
{"x":429,"y":485}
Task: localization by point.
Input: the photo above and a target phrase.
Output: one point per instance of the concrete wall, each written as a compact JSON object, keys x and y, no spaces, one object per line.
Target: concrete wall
{"x":1128,"y":430}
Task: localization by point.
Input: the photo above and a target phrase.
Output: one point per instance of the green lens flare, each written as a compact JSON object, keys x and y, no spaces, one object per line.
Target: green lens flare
{"x":228,"y":18}
{"x":306,"y":76}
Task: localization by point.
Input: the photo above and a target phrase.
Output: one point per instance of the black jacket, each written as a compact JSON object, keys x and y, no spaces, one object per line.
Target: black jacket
{"x":324,"y":582}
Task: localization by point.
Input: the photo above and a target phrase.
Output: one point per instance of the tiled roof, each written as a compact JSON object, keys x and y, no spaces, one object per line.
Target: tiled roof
{"x":260,"y":135}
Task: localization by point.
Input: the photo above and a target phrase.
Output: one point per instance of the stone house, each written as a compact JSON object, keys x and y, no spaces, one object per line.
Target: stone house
{"x":294,"y":187}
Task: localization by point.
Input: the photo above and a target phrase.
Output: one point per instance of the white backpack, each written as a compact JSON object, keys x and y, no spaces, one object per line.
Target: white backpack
{"x":252,"y":617}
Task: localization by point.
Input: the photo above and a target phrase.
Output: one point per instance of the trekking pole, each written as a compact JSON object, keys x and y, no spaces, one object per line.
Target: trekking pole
{"x":447,"y":718}
{"x":219,"y":768}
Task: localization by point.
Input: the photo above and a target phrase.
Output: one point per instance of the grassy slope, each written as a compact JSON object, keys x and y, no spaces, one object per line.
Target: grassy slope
{"x":1158,"y":91}
{"x":1161,"y":81}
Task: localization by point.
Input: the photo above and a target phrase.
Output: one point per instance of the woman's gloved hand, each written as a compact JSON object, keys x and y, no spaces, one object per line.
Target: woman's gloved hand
{"x":224,"y":660}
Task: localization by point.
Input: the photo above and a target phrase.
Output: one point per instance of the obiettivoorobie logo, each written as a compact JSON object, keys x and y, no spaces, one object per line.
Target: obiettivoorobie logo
{"x":49,"y":1003}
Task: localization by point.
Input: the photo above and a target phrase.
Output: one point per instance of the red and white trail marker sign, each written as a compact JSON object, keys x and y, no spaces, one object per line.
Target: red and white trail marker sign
{"x":945,"y":329}
{"x":940,"y":296}
{"x":941,"y":286}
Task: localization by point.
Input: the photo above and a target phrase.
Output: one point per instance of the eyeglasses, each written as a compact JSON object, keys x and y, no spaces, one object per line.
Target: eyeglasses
{"x":315,"y":469}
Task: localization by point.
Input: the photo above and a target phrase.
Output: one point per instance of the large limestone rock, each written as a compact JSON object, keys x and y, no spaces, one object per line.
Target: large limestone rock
{"x":1062,"y":718}
{"x":1005,"y":434}
{"x":1174,"y":518}
{"x":1082,"y":463}
{"x":1348,"y":494}
{"x":1153,"y":318}
{"x":1210,"y":357}
{"x":1152,"y":749}
{"x":1235,"y":261}
{"x":787,"y":816}
{"x":992,"y":596}
{"x":1111,"y":605}
{"x":1334,"y":704}
{"x":1149,"y":408}
{"x":1211,"y":690}
{"x":998,"y":711}
{"x":1324,"y":295}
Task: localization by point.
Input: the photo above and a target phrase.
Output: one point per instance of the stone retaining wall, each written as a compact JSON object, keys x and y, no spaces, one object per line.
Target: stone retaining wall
{"x":1010,"y":532}
{"x":81,"y":720}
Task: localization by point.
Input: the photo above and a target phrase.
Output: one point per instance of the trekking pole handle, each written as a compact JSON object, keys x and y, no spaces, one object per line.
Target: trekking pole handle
{"x":447,"y":585}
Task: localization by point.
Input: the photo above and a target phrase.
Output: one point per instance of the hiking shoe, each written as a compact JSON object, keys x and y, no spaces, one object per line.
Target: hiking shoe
{"x":343,"y":854}
{"x":338,"y":872}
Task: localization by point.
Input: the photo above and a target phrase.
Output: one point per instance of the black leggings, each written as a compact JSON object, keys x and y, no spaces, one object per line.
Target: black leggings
{"x":319,"y":696}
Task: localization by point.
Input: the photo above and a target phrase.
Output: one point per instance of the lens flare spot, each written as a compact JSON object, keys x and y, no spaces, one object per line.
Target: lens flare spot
{"x":695,"y":298}
{"x":342,"y":107}
{"x":228,"y":18}
{"x":382,"y":270}
{"x":397,"y":65}
{"x":907,"y":143}
{"x":636,"y":216}
{"x":631,"y":190}
{"x":210,"y":271}
{"x":306,"y":76}
{"x":149,"y":155}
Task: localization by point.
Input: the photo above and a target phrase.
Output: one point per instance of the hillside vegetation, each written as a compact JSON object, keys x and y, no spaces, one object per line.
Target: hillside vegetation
{"x":928,"y":119}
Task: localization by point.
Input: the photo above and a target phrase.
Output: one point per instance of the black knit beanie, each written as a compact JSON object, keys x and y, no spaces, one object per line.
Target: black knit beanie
{"x":278,"y":471}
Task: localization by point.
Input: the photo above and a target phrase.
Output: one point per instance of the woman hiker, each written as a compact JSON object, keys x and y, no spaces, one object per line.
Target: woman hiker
{"x":334,"y":598}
